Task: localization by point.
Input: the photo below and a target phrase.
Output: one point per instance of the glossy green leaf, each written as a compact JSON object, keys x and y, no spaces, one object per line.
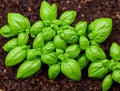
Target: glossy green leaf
{"x":53,"y":11}
{"x":100,"y":29}
{"x":33,"y":53}
{"x":36,"y":28}
{"x":84,"y":42}
{"x":23,"y":39}
{"x":112,"y":65}
{"x":73,"y":50}
{"x":38,"y":41}
{"x":90,"y":27}
{"x":49,"y":58}
{"x":116,"y":76}
{"x":94,"y":53}
{"x":115,"y":51}
{"x":28,"y":68}
{"x":15,"y":56}
{"x":54,"y":70}
{"x":68,"y":17}
{"x":5,"y":31}
{"x":97,"y":70}
{"x":59,"y":43}
{"x":107,"y":83}
{"x":118,"y":65}
{"x":45,"y":11}
{"x":81,"y":28}
{"x":71,"y":69}
{"x":48,"y":47}
{"x":48,"y":33}
{"x":82,"y":60}
{"x":59,"y":52}
{"x":11,"y":44}
{"x":18,"y":23}
{"x":69,"y":35}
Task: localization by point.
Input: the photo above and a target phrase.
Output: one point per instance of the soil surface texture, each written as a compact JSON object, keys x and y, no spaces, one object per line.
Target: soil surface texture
{"x":87,"y":10}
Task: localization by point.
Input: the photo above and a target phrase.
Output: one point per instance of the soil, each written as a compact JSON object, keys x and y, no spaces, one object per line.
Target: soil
{"x":87,"y":10}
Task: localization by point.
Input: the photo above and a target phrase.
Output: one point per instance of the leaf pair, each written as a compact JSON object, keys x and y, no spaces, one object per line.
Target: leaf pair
{"x":69,"y":68}
{"x":71,"y":51}
{"x":21,"y":40}
{"x":48,"y":12}
{"x":16,"y":24}
{"x":48,"y":55}
{"x":108,"y":80}
{"x":46,"y":52}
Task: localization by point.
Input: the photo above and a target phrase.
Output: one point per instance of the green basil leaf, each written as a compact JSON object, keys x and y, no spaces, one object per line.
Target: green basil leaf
{"x":71,"y":69}
{"x":59,"y":43}
{"x":100,"y":30}
{"x":82,"y":60}
{"x":63,"y":57}
{"x":112,"y":65}
{"x":33,"y":53}
{"x":68,"y":17}
{"x":54,"y":70}
{"x":69,"y":35}
{"x":118,"y":65}
{"x":48,"y":47}
{"x":36,"y":28}
{"x":18,"y":23}
{"x":23,"y":39}
{"x":15,"y":56}
{"x":48,"y":33}
{"x":28,"y":68}
{"x":94,"y":53}
{"x":11,"y":44}
{"x":107,"y":83}
{"x":38,"y":41}
{"x":59,"y":52}
{"x":115,"y":51}
{"x":116,"y":76}
{"x":97,"y":70}
{"x":49,"y":58}
{"x":81,"y":28}
{"x":5,"y":31}
{"x":84,"y":43}
{"x":45,"y":11}
{"x":53,"y":11}
{"x":90,"y":26}
{"x":73,"y":50}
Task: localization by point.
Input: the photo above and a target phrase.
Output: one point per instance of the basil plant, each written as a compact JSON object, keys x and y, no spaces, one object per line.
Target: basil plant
{"x":107,"y":69}
{"x":59,"y":45}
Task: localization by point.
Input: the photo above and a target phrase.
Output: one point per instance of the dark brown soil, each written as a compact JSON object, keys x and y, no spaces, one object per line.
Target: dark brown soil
{"x":87,"y":10}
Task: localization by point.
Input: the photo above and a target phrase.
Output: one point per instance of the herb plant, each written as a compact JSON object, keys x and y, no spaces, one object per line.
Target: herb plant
{"x":107,"y":69}
{"x":64,"y":48}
